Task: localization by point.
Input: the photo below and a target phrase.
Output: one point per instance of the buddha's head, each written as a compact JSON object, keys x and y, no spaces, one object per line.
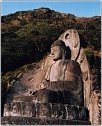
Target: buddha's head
{"x":58,"y":50}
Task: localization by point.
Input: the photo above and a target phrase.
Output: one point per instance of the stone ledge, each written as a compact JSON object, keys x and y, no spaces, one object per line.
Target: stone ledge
{"x":51,"y":96}
{"x":63,"y":85}
{"x":40,"y":121}
{"x":55,"y":110}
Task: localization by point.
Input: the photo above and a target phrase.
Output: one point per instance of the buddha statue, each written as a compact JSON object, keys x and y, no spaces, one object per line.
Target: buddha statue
{"x":62,"y":69}
{"x":64,"y":74}
{"x":61,"y":92}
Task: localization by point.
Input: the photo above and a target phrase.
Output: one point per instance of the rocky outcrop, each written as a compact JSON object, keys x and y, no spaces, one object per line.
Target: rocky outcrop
{"x":55,"y":89}
{"x":95,"y":107}
{"x":95,"y":97}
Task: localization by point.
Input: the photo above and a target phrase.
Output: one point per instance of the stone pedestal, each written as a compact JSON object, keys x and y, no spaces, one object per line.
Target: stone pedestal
{"x":41,"y":121}
{"x":46,"y":110}
{"x":46,"y":107}
{"x":60,"y":102}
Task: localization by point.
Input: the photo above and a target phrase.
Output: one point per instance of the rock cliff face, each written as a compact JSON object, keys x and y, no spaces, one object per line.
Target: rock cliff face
{"x":58,"y":101}
{"x":95,"y":104}
{"x":95,"y":98}
{"x":91,"y":77}
{"x":45,"y":107}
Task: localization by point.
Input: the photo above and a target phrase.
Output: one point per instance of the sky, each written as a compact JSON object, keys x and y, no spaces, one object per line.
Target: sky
{"x":81,"y":9}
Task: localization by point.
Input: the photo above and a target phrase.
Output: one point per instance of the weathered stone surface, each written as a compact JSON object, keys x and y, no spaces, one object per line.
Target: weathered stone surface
{"x":71,"y":39}
{"x":61,"y":65}
{"x":45,"y":110}
{"x":47,"y":96}
{"x":22,"y":98}
{"x":83,"y":113}
{"x":73,"y":113}
{"x":39,"y":121}
{"x":54,"y":94}
{"x":95,"y":108}
{"x":26,"y":109}
{"x":65,"y":70}
{"x":58,"y":96}
{"x":87,"y":82}
{"x":91,"y":100}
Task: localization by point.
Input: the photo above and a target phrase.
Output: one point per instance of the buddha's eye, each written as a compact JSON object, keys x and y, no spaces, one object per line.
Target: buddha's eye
{"x":54,"y":50}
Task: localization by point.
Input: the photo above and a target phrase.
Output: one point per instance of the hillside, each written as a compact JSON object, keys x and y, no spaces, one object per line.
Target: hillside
{"x":28,"y":35}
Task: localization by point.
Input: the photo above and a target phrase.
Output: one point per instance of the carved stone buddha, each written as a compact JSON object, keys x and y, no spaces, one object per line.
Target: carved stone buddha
{"x":64,"y":74}
{"x":61,"y":92}
{"x":63,"y":69}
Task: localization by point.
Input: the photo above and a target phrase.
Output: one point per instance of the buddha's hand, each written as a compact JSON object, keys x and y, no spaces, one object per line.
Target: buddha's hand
{"x":44,"y":84}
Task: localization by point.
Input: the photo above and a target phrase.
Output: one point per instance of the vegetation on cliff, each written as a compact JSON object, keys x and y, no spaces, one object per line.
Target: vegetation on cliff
{"x":28,"y":35}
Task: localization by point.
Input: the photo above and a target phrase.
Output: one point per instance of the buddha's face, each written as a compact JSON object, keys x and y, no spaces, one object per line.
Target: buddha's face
{"x":56,"y":53}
